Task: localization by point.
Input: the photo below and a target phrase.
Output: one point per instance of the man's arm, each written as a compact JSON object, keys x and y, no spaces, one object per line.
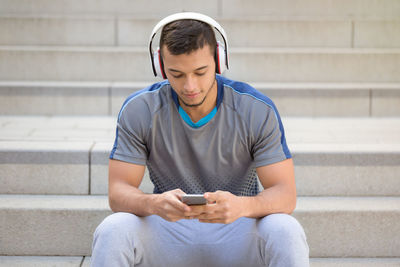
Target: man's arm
{"x":278,"y":196}
{"x":124,"y":195}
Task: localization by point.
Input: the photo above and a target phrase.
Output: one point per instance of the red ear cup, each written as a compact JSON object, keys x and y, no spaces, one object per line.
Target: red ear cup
{"x":220,"y":58}
{"x":217,"y":63}
{"x":158,"y":64}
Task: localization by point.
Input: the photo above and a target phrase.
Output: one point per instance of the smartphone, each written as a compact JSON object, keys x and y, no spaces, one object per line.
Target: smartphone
{"x":193,"y":199}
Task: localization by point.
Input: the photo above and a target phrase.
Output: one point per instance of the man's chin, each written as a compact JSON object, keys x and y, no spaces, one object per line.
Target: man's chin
{"x":192,"y":104}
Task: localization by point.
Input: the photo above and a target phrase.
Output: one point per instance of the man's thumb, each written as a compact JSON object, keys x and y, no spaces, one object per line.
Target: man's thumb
{"x":211,"y":197}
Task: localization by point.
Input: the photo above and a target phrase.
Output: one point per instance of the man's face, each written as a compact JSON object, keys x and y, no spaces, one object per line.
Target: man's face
{"x":192,"y":76}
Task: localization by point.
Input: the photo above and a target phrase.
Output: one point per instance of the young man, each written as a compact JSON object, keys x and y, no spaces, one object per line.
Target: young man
{"x":199,"y":133}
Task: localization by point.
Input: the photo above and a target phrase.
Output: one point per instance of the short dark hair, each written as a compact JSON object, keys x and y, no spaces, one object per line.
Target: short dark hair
{"x":187,"y":35}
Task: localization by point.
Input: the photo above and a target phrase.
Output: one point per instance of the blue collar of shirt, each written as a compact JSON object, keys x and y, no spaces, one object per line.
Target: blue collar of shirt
{"x":201,"y":122}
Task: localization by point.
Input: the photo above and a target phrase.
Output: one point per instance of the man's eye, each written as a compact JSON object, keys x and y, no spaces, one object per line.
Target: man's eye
{"x":200,"y":74}
{"x":178,"y":76}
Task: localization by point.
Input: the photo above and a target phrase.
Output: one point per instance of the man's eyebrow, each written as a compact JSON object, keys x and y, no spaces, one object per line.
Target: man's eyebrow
{"x":174,"y":70}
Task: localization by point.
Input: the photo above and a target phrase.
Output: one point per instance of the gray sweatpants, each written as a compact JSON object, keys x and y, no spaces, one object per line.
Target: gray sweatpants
{"x":124,"y":239}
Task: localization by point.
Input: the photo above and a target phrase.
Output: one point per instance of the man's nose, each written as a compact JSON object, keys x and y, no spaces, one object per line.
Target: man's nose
{"x":190,"y":83}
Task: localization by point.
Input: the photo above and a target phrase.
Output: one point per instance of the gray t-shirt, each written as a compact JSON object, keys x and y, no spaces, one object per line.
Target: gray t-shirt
{"x":244,"y":132}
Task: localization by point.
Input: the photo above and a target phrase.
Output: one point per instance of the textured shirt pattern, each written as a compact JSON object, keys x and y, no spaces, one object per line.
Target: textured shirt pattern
{"x":245,"y":133}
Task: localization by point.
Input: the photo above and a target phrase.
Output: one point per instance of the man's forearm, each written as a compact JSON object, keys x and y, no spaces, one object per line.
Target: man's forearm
{"x":126,"y":198}
{"x":276,"y":199}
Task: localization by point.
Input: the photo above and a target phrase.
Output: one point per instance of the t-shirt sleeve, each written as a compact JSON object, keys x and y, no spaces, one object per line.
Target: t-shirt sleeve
{"x":269,"y":140}
{"x":130,"y":140}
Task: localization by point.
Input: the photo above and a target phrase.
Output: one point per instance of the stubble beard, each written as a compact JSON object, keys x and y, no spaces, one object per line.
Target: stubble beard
{"x":201,"y":102}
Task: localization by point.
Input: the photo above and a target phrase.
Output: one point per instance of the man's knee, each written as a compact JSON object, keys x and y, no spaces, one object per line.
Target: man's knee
{"x":116,"y":225}
{"x":285,"y":241}
{"x":281,"y":228}
{"x":114,"y":242}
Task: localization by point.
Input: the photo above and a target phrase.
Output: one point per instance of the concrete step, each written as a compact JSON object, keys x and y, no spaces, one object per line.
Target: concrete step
{"x":58,"y":98}
{"x":321,"y":169}
{"x":328,"y":8}
{"x":298,"y":130}
{"x":69,"y":155}
{"x":82,"y":169}
{"x":28,"y":30}
{"x":139,"y":8}
{"x":22,"y":63}
{"x":45,"y":167}
{"x":292,"y":99}
{"x":354,"y":262}
{"x":49,"y":225}
{"x":347,"y":170}
{"x":63,"y":225}
{"x":132,"y":31}
{"x":43,"y":261}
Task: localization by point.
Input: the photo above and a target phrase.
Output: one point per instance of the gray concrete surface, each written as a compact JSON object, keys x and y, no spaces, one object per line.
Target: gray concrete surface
{"x":367,"y":9}
{"x":292,"y":99}
{"x":267,"y":64}
{"x":38,"y":261}
{"x":337,"y":157}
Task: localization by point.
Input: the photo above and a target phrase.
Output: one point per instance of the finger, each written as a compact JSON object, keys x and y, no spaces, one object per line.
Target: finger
{"x":214,"y":212}
{"x":179,"y":193}
{"x":196,"y":210}
{"x":172,"y":217}
{"x":209,"y":216}
{"x":203,"y":210}
{"x":211,"y":197}
{"x":176,"y":200}
{"x":179,"y":205}
{"x":183,"y":207}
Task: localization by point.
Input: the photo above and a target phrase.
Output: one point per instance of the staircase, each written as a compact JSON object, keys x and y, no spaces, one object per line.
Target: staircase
{"x":331,"y":66}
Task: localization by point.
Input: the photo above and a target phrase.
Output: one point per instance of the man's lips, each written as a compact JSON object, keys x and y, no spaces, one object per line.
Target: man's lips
{"x":191,"y":95}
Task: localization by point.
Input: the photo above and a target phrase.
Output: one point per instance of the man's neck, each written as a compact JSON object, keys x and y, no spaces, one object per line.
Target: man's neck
{"x":198,"y":112}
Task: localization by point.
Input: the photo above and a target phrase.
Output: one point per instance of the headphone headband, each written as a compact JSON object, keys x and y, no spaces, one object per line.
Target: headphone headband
{"x":193,"y":16}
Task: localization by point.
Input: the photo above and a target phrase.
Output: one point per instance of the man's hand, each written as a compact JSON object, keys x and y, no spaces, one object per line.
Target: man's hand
{"x":222,"y":207}
{"x":170,"y":207}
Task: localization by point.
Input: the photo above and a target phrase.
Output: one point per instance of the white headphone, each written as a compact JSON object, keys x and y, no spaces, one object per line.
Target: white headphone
{"x":221,"y":50}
